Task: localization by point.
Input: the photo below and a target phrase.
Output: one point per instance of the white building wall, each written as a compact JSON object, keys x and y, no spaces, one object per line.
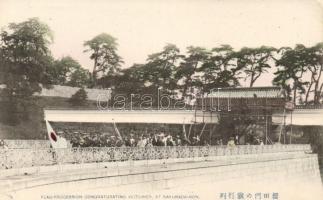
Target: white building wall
{"x":130,"y":116}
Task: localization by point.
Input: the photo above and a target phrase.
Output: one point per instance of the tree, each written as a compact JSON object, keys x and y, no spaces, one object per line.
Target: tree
{"x":301,"y":70}
{"x":315,"y":60}
{"x":79,"y":98}
{"x":291,"y":67}
{"x":254,"y":61}
{"x":196,"y":57}
{"x":129,"y":81}
{"x":79,"y":78}
{"x":159,"y":71}
{"x":67,"y":71}
{"x":220,"y":69}
{"x":24,"y":55}
{"x":103,"y":50}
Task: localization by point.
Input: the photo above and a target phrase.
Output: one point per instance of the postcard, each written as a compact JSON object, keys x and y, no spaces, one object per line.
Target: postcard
{"x":161,"y":100}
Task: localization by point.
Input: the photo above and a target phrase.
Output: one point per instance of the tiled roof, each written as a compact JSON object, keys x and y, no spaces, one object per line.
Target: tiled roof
{"x":259,"y":92}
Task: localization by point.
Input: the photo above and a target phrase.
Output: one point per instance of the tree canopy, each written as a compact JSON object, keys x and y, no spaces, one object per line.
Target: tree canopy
{"x":67,"y":71}
{"x":26,"y":64}
{"x":103,"y":49}
{"x":24,"y":57}
{"x":79,"y":98}
{"x":299,"y":71}
{"x":254,"y":62}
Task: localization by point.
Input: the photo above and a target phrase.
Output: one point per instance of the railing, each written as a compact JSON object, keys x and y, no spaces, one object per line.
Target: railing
{"x":24,"y":144}
{"x":22,"y":158}
{"x":309,"y":107}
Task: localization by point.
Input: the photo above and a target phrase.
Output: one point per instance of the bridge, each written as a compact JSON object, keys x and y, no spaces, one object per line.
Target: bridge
{"x":304,"y":116}
{"x":131,"y":116}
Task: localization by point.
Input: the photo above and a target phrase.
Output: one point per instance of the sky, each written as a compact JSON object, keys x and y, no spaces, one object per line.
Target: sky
{"x":143,"y":27}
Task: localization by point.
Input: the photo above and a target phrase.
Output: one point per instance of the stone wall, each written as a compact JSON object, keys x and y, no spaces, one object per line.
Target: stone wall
{"x":67,"y":92}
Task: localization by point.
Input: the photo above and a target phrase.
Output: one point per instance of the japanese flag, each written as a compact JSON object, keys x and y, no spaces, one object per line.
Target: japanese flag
{"x":55,"y":140}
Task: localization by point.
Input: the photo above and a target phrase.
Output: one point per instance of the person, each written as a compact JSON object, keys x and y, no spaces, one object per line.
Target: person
{"x":113,"y":141}
{"x":178,"y":141}
{"x":219,"y":142}
{"x":194,"y":141}
{"x":236,"y":139}
{"x":164,"y":139}
{"x":132,"y":141}
{"x":160,"y":141}
{"x":119,"y":142}
{"x":149,"y":143}
{"x":231,"y":142}
{"x":108,"y":142}
{"x":169,"y":141}
{"x":198,"y":140}
{"x":3,"y":145}
{"x":154,"y":141}
{"x":142,"y":142}
{"x":127,"y":142}
{"x":205,"y":143}
{"x":74,"y":142}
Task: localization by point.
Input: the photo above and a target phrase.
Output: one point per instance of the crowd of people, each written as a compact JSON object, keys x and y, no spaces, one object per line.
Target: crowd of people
{"x":134,"y":140}
{"x":126,"y":135}
{"x":147,"y":137}
{"x":143,"y":140}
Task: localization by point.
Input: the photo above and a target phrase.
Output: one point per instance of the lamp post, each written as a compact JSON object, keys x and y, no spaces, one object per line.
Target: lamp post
{"x":229,"y":108}
{"x":158,"y":94}
{"x":109,"y":96}
{"x":202,"y":103}
{"x":219,"y":99}
{"x":291,"y":127}
{"x":266,"y":119}
{"x":131,"y":95}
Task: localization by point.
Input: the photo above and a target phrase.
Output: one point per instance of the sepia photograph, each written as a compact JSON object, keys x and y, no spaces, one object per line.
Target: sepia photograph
{"x":161,"y":99}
